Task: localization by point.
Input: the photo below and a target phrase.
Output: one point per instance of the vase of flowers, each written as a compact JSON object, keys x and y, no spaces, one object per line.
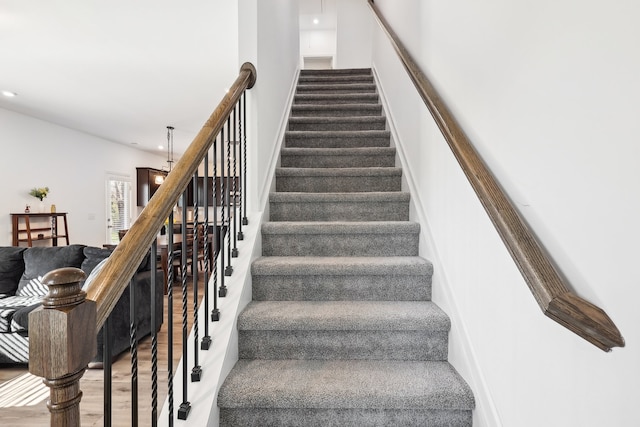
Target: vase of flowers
{"x":40,"y":194}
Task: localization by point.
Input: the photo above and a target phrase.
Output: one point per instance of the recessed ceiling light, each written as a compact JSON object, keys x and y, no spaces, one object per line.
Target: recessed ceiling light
{"x":316,"y":21}
{"x":9,"y":94}
{"x":160,"y":147}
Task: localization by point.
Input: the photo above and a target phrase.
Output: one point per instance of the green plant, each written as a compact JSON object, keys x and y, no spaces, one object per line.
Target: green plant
{"x":39,"y":193}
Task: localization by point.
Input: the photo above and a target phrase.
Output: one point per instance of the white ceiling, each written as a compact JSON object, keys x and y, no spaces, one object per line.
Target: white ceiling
{"x":322,"y":10}
{"x":123,"y":70}
{"x":120,"y":70}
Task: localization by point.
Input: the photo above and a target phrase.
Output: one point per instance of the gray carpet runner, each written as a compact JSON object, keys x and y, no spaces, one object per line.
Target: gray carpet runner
{"x":341,"y":330}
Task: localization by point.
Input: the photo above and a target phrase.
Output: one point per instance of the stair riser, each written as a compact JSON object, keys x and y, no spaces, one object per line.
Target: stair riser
{"x":352,"y":345}
{"x":338,"y":125}
{"x":335,"y":99}
{"x":336,"y":111}
{"x":341,"y":288}
{"x":341,"y":184}
{"x":339,"y":211}
{"x":340,"y":244}
{"x":320,"y":161}
{"x":320,"y":417}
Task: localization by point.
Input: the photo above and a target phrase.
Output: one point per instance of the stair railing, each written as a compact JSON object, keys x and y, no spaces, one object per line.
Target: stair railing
{"x":548,"y":287}
{"x":63,"y":333}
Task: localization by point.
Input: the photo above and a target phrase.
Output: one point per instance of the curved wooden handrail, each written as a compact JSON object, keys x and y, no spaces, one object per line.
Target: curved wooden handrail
{"x":114,"y":277}
{"x":551,"y":292}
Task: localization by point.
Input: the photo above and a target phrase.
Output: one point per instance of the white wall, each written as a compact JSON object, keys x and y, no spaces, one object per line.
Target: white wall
{"x":73,"y":165}
{"x":548,"y":93}
{"x":354,"y":30}
{"x":269,"y":38}
{"x":318,"y":43}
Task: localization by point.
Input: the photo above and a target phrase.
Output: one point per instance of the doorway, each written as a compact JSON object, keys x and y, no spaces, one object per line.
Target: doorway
{"x":118,"y":204}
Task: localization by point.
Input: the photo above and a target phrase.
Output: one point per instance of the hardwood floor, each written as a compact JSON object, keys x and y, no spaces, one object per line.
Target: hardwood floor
{"x":92,"y":383}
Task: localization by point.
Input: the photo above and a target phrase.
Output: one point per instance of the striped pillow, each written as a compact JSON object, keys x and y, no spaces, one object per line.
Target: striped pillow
{"x":33,"y":288}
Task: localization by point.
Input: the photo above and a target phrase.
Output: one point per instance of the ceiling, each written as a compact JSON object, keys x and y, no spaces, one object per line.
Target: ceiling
{"x":119,"y":70}
{"x":123,"y":70}
{"x":322,"y":10}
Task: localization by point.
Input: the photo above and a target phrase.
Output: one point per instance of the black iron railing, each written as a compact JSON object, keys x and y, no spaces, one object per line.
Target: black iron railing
{"x":198,"y":256}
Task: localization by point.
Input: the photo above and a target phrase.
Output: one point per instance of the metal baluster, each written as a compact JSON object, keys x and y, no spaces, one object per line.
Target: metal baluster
{"x":227,"y":195}
{"x":234,"y":178}
{"x":133,"y":336}
{"x":215,"y":313}
{"x":223,"y":187}
{"x":185,"y":406}
{"x":196,"y":371}
{"x":206,"y":340}
{"x":240,"y":178}
{"x":154,"y":336}
{"x":170,"y":318}
{"x":106,"y":366}
{"x":245,"y":220}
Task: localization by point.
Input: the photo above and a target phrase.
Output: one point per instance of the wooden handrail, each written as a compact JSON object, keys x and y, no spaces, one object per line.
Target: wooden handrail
{"x":114,"y":277}
{"x":551,"y":292}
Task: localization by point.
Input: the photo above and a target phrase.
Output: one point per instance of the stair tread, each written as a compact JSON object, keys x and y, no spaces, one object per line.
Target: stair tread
{"x":336,"y":119}
{"x":340,"y":227}
{"x":356,"y":97}
{"x":337,"y":151}
{"x":365,"y":171}
{"x":374,"y":196}
{"x":337,"y":133}
{"x":352,"y":266}
{"x":336,"y":71}
{"x":343,"y":316}
{"x":346,"y":87}
{"x":345,"y":384}
{"x":355,"y":106}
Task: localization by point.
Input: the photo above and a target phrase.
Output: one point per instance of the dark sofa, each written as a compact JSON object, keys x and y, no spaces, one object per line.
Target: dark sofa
{"x":21,"y":292}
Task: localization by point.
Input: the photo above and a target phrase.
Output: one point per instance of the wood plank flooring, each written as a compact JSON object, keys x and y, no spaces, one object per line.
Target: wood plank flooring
{"x":92,"y":383}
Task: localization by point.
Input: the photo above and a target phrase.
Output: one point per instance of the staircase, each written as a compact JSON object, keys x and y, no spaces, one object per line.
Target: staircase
{"x":341,"y":330}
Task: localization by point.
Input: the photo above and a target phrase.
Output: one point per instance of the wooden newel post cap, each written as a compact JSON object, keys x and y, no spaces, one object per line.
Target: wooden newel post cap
{"x":62,"y":339}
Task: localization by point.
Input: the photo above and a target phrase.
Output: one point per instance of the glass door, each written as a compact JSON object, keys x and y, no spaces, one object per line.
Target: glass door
{"x":118,"y":206}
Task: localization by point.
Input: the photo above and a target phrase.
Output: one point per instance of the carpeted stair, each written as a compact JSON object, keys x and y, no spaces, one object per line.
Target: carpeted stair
{"x":341,"y":330}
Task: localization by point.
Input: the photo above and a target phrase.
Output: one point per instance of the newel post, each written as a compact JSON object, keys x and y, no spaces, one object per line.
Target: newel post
{"x":62,"y":342}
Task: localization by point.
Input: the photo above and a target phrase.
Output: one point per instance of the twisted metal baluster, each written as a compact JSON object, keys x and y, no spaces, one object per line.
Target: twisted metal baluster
{"x":245,"y":220}
{"x":241,"y":178}
{"x":227,"y":194}
{"x":133,"y":339}
{"x":170,"y":318}
{"x":215,"y":313}
{"x":206,"y":340}
{"x":234,"y":253}
{"x":154,"y":336}
{"x":223,"y":188}
{"x":196,"y":371}
{"x":185,"y":406}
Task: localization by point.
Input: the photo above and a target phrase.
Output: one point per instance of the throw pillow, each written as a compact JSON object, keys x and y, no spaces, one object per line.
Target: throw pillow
{"x":93,"y":274}
{"x":11,"y":268}
{"x":33,"y":288}
{"x":39,"y":261}
{"x":93,"y":256}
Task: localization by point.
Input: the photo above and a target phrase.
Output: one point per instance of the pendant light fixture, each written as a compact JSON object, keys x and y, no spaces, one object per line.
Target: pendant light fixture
{"x":170,"y":147}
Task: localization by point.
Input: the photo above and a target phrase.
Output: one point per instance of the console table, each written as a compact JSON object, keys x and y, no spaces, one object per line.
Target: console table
{"x":26,"y":231}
